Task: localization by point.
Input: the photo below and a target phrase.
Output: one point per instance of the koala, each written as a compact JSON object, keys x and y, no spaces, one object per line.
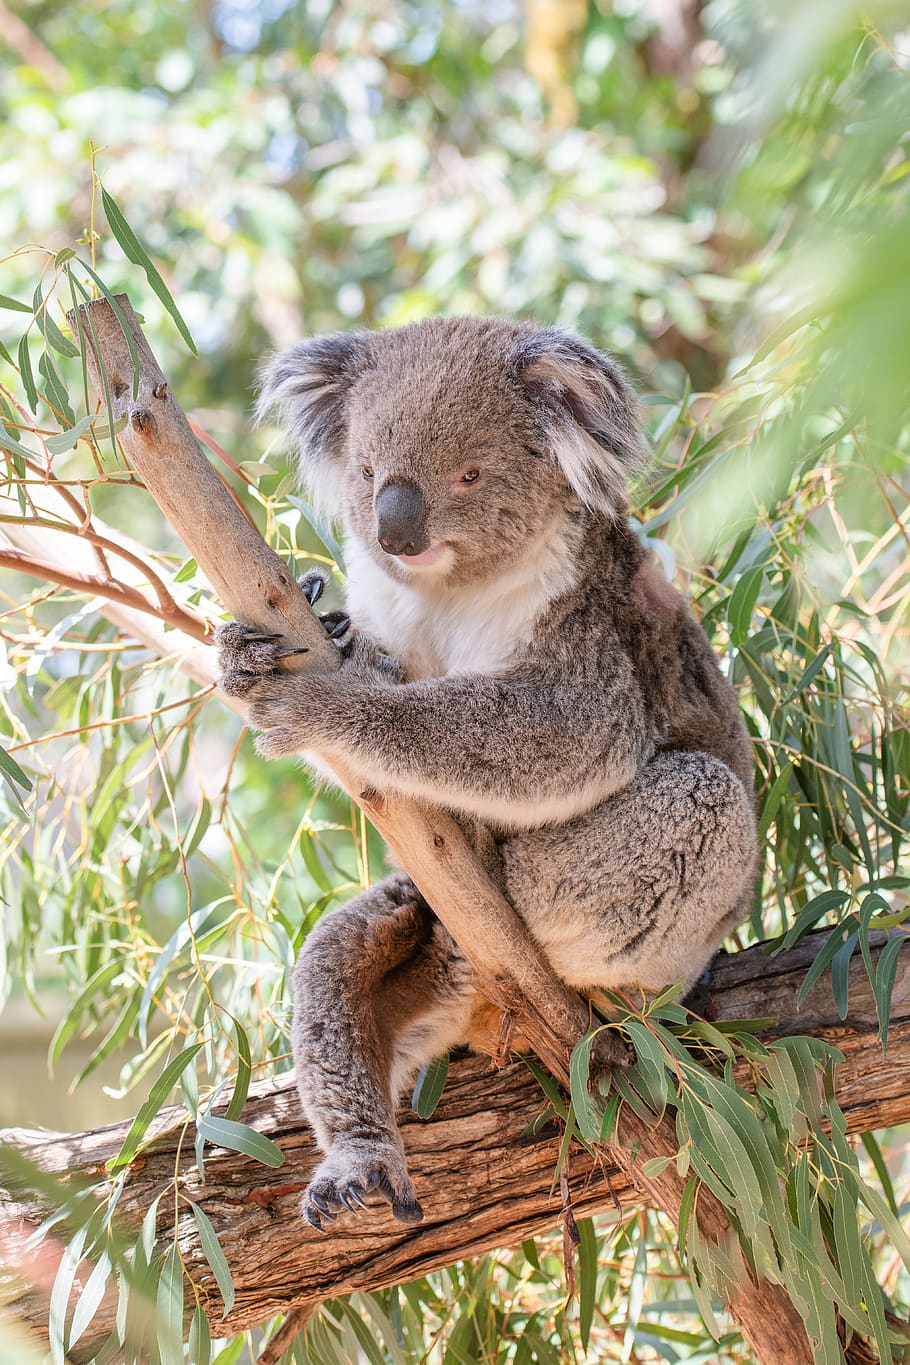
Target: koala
{"x":514,"y":656}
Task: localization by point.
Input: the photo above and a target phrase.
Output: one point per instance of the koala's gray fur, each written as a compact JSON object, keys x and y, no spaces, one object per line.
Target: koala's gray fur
{"x":523,"y":663}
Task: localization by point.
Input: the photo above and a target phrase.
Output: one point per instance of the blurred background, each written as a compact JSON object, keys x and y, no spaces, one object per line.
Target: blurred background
{"x":718,"y":192}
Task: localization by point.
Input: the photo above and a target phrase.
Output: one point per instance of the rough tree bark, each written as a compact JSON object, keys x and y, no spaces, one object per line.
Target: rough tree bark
{"x":511,"y":970}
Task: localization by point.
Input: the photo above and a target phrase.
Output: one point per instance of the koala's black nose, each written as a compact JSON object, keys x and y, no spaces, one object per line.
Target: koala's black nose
{"x":401,"y":519}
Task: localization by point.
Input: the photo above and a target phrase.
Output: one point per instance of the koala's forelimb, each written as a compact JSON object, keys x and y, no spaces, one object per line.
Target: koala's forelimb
{"x":494,"y":748}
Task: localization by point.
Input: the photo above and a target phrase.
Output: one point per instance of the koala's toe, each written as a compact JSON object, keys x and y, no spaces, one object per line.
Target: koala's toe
{"x":400,"y":1194}
{"x":277,"y":743}
{"x":407,"y":1210}
{"x":247,"y":650}
{"x":237,"y":683}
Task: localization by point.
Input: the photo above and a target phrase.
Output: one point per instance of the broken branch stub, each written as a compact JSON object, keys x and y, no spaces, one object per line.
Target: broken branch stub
{"x":248,"y":576}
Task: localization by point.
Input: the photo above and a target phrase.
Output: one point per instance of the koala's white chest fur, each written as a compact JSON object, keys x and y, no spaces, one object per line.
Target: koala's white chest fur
{"x":433,"y":632}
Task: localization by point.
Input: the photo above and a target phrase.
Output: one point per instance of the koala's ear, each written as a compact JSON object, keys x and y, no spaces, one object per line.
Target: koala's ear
{"x":589,"y":414}
{"x":308,"y":386}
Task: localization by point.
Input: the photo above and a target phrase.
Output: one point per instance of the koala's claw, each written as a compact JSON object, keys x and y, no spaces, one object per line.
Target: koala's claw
{"x":321,"y":1200}
{"x":312,"y":585}
{"x":351,"y":1198}
{"x":335,"y":623}
{"x":314,"y":1219}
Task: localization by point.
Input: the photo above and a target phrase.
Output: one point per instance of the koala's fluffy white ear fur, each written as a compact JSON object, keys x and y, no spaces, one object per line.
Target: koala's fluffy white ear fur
{"x":589,"y":413}
{"x":307,"y":386}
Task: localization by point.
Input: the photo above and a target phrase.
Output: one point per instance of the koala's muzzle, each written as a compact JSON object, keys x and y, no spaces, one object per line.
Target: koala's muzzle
{"x":401,"y":514}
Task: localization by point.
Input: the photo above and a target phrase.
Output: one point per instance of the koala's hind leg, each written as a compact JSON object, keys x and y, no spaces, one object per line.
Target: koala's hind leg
{"x":640,"y":891}
{"x":379,"y":989}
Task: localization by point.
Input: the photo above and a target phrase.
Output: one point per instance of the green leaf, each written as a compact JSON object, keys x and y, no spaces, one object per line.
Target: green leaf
{"x":832,"y":945}
{"x":547,"y":1084}
{"x":810,"y":914}
{"x":156,"y":1098}
{"x":847,"y":1243}
{"x":90,"y":1297}
{"x":685,"y":1208}
{"x":9,"y":442}
{"x":186,"y":571}
{"x":10,"y":769}
{"x":587,"y":1278}
{"x":170,"y":1309}
{"x":655,"y":1164}
{"x":885,"y":974}
{"x":239,"y":1137}
{"x":61,"y":1291}
{"x":211,"y":1248}
{"x":622,"y":1081}
{"x":197,"y":830}
{"x":742,"y":603}
{"x":568,"y":1135}
{"x":808,"y":675}
{"x":840,"y":974}
{"x":175,"y":945}
{"x":25,"y":373}
{"x":892,"y":1226}
{"x":13,"y":304}
{"x":429,"y":1086}
{"x":587,"y":1113}
{"x":608,"y":1123}
{"x":51,"y":332}
{"x":244,"y":1070}
{"x":134,"y":251}
{"x":649,"y":1075}
{"x":200,"y":1338}
{"x":773,"y":799}
{"x":90,"y":992}
{"x":874,"y":1153}
{"x":65,"y":440}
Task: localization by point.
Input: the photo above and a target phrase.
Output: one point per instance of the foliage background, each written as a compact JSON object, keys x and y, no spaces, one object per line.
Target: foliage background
{"x":717,"y":193}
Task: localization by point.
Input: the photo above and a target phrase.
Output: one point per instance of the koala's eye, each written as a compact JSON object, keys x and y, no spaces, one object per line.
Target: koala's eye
{"x":470,"y":476}
{"x":367,"y":471}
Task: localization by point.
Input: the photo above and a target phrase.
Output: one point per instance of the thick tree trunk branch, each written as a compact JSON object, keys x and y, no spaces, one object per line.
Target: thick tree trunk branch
{"x":483,"y":1182}
{"x":478,"y":1127}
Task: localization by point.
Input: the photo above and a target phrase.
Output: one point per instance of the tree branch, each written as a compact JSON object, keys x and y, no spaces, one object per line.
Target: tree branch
{"x":484,"y":1180}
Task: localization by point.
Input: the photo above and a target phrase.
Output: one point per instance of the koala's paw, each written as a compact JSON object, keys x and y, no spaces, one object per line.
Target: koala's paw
{"x":348,"y":1175}
{"x":246,"y":654}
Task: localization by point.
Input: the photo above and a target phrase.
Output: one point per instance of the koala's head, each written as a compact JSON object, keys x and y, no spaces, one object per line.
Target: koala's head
{"x":447,"y":447}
